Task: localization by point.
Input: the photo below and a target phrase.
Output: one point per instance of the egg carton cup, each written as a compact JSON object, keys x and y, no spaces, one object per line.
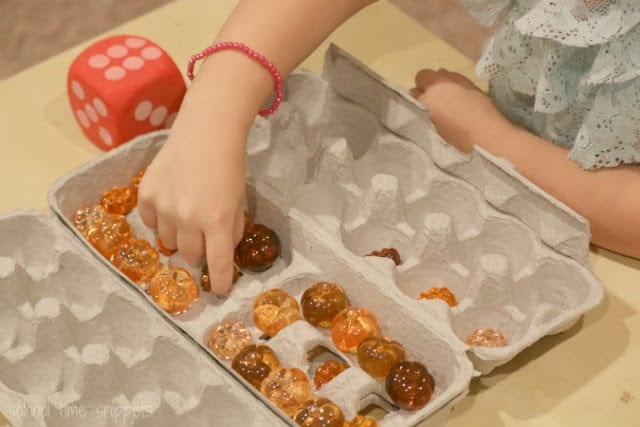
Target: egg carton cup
{"x":351,"y":164}
{"x":78,"y":348}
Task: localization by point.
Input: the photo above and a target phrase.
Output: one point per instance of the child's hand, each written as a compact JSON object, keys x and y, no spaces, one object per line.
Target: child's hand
{"x":193,"y":191}
{"x":461,"y":113}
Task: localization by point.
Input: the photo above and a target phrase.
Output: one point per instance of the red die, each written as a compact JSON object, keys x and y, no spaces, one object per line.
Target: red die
{"x":123,"y":86}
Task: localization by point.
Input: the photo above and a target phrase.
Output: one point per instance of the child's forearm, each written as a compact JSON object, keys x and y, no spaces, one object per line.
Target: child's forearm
{"x":284,"y":31}
{"x":608,"y":197}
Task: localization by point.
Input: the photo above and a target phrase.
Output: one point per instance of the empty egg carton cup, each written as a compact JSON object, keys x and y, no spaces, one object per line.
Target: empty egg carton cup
{"x":349,"y":164}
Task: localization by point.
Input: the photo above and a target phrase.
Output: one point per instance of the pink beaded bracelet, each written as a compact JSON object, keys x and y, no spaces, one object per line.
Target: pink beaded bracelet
{"x":260,"y":59}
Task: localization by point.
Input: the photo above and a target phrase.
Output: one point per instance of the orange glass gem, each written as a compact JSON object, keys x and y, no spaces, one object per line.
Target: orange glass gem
{"x":228,"y":339}
{"x":163,"y":249}
{"x":254,"y":363}
{"x":319,"y":412}
{"x":409,"y":385}
{"x":258,"y":249}
{"x":137,"y":259}
{"x":173,"y":289}
{"x":361,"y":421}
{"x":390,"y":253}
{"x":119,"y":200}
{"x":328,"y":371}
{"x":486,"y":338}
{"x":440,"y":293}
{"x":321,"y":302}
{"x":274,"y":310}
{"x":377,"y":355}
{"x":88,"y":218}
{"x":109,"y":234}
{"x":352,"y":326}
{"x":287,"y":388}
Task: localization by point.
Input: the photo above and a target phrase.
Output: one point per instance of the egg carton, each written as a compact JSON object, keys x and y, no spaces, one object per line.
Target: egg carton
{"x":78,"y":348}
{"x":351,"y":164}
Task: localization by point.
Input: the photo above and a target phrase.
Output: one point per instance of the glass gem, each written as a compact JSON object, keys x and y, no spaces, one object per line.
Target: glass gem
{"x":361,"y":421}
{"x":205,"y":279}
{"x":377,"y":355}
{"x":227,"y":339}
{"x":137,"y":259}
{"x":274,"y":310}
{"x":287,"y":388}
{"x":258,"y":249}
{"x":409,"y":385}
{"x":119,"y":200}
{"x":321,"y":302}
{"x":486,"y":338}
{"x":254,"y":363}
{"x":173,"y":289}
{"x":328,"y":371}
{"x":443,"y":294}
{"x":319,"y":412}
{"x":109,"y":234}
{"x":390,"y":253}
{"x":88,"y":218}
{"x":352,"y":326}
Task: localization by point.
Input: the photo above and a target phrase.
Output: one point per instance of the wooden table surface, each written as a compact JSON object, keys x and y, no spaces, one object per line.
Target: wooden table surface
{"x":587,"y":376}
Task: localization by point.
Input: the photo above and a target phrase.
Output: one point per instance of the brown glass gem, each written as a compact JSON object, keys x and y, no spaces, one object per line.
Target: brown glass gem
{"x":377,"y":355}
{"x":410,"y":385}
{"x":390,"y":253}
{"x":321,"y":302}
{"x":258,"y":249}
{"x":254,"y":362}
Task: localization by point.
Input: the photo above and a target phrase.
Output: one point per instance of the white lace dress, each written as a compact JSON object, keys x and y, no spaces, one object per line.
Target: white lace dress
{"x":569,"y":71}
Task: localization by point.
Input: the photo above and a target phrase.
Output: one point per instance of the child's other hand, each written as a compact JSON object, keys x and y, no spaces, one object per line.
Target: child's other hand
{"x":193,"y":191}
{"x":460,"y":111}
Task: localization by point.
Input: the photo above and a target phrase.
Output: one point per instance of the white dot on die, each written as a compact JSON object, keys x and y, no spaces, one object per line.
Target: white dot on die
{"x":133,"y":63}
{"x":91,"y":113}
{"x":77,"y":89}
{"x":99,"y":61}
{"x":134,"y":42}
{"x":100,"y":107}
{"x":114,"y":73}
{"x":151,"y":52}
{"x":82,"y":118}
{"x":143,"y":110}
{"x":158,"y":116}
{"x":117,"y":51}
{"x":105,"y":136}
{"x":170,"y":119}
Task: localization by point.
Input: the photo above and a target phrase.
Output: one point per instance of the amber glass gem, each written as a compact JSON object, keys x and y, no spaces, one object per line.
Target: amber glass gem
{"x":226,"y":340}
{"x":390,"y":253}
{"x":319,"y":412}
{"x":254,"y":363}
{"x":361,"y":421}
{"x":409,"y":385}
{"x":328,"y":371}
{"x":109,"y":234}
{"x":274,"y":310}
{"x":377,"y":355}
{"x":258,"y":249}
{"x":137,"y":259}
{"x":321,"y":302}
{"x":173,"y":289}
{"x":88,"y":218}
{"x":163,"y":249}
{"x":287,"y":388}
{"x":352,"y":326}
{"x":486,"y":338}
{"x":119,"y":200}
{"x":443,"y":294}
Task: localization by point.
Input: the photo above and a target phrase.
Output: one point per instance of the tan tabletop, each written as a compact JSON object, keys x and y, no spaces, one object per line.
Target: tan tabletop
{"x":587,"y":376}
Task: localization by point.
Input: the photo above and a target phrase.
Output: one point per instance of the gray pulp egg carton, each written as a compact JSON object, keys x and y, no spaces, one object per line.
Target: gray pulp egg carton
{"x":348,"y":164}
